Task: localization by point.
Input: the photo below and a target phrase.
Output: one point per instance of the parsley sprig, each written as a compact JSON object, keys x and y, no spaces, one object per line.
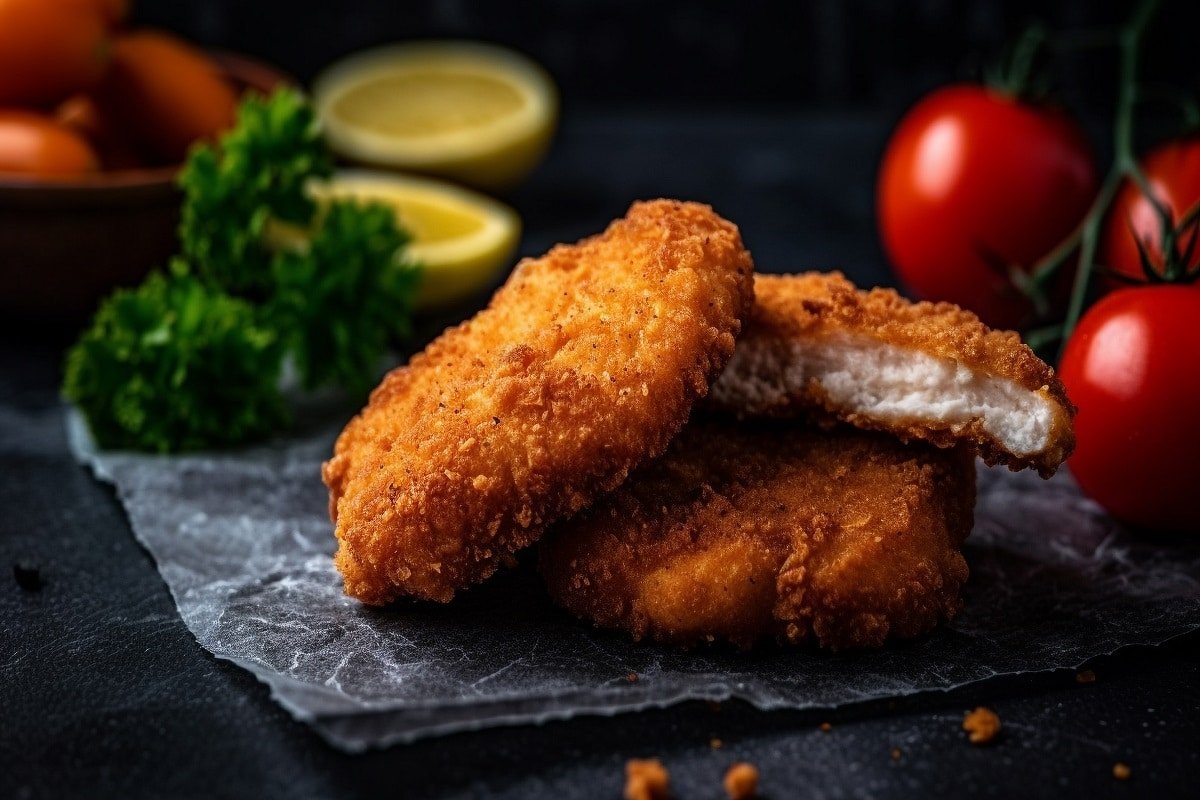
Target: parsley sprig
{"x":255,"y":177}
{"x":176,"y":365}
{"x":191,"y":358}
{"x":342,"y":297}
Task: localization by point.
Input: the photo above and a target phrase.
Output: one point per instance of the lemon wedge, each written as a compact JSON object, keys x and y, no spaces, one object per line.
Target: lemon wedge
{"x":461,"y":238}
{"x":473,"y":112}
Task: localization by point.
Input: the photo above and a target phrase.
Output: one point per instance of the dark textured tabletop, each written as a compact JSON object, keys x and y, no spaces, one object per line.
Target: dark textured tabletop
{"x":104,"y":693}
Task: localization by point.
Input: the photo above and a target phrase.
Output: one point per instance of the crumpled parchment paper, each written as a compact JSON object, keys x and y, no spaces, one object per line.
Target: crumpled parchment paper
{"x":244,"y":544}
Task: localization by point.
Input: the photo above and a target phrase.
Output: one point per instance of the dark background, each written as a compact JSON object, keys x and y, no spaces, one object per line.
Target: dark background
{"x":777,"y":114}
{"x":818,"y":54}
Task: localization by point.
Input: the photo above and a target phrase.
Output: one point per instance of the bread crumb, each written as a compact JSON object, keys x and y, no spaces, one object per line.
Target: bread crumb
{"x":632,"y":677}
{"x":1085,"y":676}
{"x":826,"y":727}
{"x":741,"y":781}
{"x":1121,"y":771}
{"x":982,"y":725}
{"x":715,"y":743}
{"x":646,"y":779}
{"x":897,"y":753}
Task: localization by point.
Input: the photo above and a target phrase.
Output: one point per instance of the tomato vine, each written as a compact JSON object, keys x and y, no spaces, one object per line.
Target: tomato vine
{"x":1084,"y":240}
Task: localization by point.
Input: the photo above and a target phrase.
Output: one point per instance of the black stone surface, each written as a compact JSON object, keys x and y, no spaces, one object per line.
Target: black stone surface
{"x":103,"y":693}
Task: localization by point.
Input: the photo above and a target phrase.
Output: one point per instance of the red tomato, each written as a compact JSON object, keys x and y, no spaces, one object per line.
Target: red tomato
{"x":166,"y":92}
{"x":1133,"y":369}
{"x":49,"y":49}
{"x":35,"y":146}
{"x":1173,"y":172}
{"x":114,"y":12}
{"x":973,"y":179}
{"x":81,"y":114}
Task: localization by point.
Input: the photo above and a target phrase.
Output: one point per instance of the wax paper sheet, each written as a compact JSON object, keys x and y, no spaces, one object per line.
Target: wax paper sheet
{"x":244,"y":544}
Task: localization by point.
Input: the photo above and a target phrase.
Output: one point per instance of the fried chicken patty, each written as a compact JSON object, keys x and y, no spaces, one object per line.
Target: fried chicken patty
{"x":744,"y":530}
{"x":585,"y":363}
{"x":817,"y":346}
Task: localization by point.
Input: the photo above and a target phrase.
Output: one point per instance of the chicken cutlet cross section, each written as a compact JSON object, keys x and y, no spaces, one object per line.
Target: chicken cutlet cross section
{"x":818,"y":347}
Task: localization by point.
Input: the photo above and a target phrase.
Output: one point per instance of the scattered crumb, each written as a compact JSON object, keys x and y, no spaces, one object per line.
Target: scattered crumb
{"x":713,"y":705}
{"x":1085,"y":676}
{"x":632,"y":677}
{"x":646,"y":779}
{"x":715,"y":744}
{"x":741,"y":781}
{"x":1121,"y":771}
{"x":982,"y":725}
{"x":825,"y":726}
{"x":897,"y":753}
{"x":28,"y":576}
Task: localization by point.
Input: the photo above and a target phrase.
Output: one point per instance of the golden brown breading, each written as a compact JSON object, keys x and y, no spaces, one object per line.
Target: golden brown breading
{"x":585,"y":363}
{"x":765,"y":528}
{"x":741,"y":781}
{"x":982,"y":725}
{"x":646,"y":779}
{"x":817,"y":346}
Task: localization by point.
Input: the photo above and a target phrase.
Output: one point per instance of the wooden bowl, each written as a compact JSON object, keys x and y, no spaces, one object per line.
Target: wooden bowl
{"x":64,"y":245}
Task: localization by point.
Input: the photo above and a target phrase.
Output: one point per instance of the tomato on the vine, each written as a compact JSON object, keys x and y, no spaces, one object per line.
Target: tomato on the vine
{"x":972,"y":181}
{"x":1173,"y":174}
{"x":1133,"y":369}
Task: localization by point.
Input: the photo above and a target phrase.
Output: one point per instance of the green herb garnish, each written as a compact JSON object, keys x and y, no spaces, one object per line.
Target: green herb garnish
{"x":341,"y":298}
{"x":191,"y":359}
{"x":256,"y":176}
{"x":174,"y":365}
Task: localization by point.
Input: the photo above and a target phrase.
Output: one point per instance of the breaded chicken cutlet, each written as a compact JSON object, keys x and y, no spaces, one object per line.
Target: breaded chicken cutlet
{"x":817,"y":346}
{"x":585,"y":363}
{"x":842,"y":537}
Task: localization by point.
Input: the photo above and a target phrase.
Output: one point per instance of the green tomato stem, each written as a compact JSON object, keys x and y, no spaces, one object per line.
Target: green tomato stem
{"x":1124,"y":162}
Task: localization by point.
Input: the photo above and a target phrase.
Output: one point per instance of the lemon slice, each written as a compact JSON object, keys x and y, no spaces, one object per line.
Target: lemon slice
{"x":477,"y":113}
{"x":461,"y":238}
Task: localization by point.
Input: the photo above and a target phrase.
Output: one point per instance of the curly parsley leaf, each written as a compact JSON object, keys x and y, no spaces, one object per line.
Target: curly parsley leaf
{"x":174,"y":365}
{"x":256,"y":173}
{"x":192,"y":359}
{"x":340,"y":299}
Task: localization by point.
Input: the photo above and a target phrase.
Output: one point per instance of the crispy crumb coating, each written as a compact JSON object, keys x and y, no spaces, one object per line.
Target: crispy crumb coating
{"x":982,"y":725}
{"x":646,"y":779}
{"x":747,"y":530}
{"x":741,"y":781}
{"x":793,"y":309}
{"x":585,"y":363}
